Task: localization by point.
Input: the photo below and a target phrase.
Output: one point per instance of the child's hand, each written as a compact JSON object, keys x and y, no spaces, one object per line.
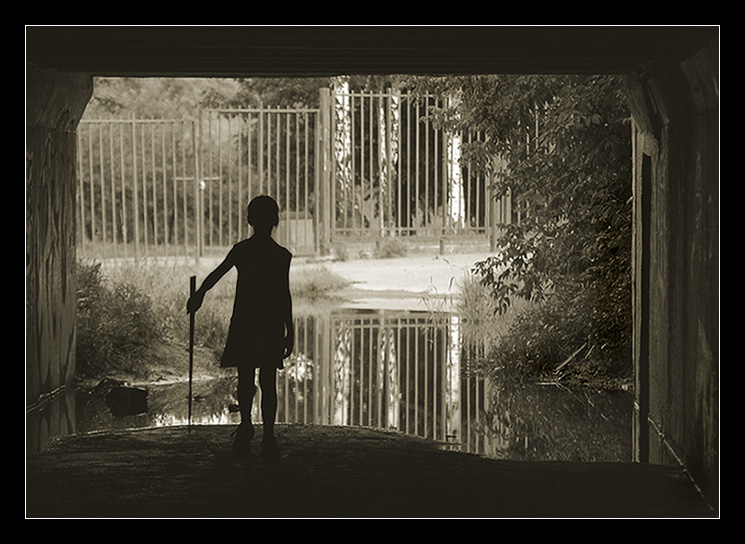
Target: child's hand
{"x":194,"y":302}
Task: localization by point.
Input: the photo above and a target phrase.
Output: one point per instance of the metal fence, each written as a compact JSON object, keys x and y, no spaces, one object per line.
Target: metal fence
{"x":398,"y":174}
{"x":137,"y":185}
{"x":259,"y":151}
{"x":363,"y":166}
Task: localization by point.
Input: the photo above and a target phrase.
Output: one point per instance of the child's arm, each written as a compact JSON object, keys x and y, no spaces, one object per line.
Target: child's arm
{"x":289,"y":324}
{"x":195,"y":301}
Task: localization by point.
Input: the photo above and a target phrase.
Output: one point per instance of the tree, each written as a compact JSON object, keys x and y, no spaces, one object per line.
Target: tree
{"x":566,"y":143}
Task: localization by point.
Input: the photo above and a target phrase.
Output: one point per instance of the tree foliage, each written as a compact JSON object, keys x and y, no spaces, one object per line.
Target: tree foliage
{"x":182,"y":97}
{"x":566,"y":143}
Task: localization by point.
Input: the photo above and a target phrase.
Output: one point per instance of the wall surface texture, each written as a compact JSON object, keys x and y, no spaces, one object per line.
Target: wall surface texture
{"x":676,"y":280}
{"x":54,"y":104}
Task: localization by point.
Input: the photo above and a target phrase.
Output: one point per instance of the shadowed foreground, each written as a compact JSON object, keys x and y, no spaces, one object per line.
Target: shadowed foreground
{"x":333,"y":472}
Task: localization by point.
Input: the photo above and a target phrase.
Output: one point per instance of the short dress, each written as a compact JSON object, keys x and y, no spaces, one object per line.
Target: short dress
{"x":262,"y":306}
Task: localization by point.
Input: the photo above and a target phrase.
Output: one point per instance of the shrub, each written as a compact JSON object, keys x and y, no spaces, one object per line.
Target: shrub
{"x":115,"y":323}
{"x":546,"y":334}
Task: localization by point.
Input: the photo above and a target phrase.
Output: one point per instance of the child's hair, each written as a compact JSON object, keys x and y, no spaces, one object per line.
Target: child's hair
{"x":263,"y":211}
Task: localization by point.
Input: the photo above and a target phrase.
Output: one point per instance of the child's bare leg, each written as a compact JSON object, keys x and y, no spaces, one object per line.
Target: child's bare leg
{"x":246,"y":392}
{"x":268,"y":383}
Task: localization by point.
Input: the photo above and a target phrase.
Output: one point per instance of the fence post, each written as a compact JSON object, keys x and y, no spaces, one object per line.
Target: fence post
{"x":324,"y":179}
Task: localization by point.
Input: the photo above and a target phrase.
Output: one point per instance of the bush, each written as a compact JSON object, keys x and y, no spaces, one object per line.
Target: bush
{"x":115,"y":323}
{"x":546,"y":334}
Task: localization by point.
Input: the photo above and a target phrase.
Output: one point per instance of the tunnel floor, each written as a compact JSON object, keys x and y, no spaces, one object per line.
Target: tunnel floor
{"x":333,"y":472}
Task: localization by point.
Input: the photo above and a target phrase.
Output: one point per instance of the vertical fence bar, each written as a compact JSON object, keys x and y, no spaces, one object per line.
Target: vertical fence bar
{"x":220,"y":178}
{"x":277,"y":154}
{"x":135,"y":190}
{"x":112,"y":186}
{"x":387,"y":103}
{"x":305,"y":178}
{"x":174,"y":185}
{"x":229,"y":206}
{"x":198,"y":223}
{"x":249,"y":169}
{"x":350,"y":221}
{"x":122,"y":177}
{"x":241,"y":227}
{"x":102,"y":182}
{"x":143,"y":163}
{"x":398,"y":223}
{"x":184,"y":191}
{"x":288,"y":208}
{"x":154,"y":212}
{"x":81,"y":191}
{"x":370,"y":190}
{"x":90,"y":185}
{"x":260,"y":148}
{"x":208,"y":181}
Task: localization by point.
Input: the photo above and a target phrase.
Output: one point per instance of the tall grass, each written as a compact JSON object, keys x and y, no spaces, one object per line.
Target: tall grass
{"x":483,"y":326}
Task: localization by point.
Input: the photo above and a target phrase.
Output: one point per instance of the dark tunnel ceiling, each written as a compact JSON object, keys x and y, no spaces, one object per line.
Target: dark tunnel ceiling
{"x":218,"y":51}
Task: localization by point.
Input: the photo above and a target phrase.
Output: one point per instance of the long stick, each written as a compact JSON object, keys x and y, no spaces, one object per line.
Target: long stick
{"x":192,"y":289}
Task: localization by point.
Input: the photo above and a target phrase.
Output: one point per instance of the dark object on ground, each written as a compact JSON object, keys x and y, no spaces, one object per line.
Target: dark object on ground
{"x":123,"y":400}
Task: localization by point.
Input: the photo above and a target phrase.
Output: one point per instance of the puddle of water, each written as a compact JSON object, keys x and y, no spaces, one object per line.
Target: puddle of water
{"x":397,"y":370}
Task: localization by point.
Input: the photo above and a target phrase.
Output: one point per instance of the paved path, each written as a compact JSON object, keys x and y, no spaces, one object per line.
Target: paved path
{"x":334,"y":472}
{"x":418,"y":282}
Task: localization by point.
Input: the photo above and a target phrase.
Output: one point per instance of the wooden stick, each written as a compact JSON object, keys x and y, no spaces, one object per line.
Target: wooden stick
{"x":192,"y":289}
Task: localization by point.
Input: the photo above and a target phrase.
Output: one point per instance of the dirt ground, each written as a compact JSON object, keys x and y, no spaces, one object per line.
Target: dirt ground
{"x":414,"y":282}
{"x":333,"y":472}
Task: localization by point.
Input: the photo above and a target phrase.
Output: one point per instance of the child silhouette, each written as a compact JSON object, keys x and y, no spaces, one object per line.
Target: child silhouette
{"x":261,"y":333}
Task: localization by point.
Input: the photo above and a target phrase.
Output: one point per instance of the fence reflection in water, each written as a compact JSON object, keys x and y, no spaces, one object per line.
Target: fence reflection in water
{"x":391,"y":370}
{"x":409,"y":372}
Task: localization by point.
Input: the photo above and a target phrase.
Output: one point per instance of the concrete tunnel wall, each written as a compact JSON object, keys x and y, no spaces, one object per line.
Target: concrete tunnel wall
{"x":54,"y":104}
{"x":676,"y":265}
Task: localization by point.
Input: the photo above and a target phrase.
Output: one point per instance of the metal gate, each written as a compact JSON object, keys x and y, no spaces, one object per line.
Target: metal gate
{"x":396,"y":174}
{"x":362,"y":167}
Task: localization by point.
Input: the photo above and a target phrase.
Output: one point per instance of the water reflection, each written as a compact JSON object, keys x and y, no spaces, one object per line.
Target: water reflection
{"x":408,"y":372}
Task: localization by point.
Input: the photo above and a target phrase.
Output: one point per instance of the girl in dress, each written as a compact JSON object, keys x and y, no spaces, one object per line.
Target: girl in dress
{"x":261,"y":333}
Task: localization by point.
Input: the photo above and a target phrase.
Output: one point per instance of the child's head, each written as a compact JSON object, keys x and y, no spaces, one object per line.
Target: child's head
{"x":263,"y":213}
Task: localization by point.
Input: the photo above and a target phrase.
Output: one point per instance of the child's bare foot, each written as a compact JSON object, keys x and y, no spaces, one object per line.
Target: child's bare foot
{"x":269,"y":449}
{"x":243,"y":436}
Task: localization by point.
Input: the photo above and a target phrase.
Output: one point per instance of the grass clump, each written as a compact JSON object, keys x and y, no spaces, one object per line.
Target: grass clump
{"x":390,"y":248}
{"x":116,"y":322}
{"x":315,"y":283}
